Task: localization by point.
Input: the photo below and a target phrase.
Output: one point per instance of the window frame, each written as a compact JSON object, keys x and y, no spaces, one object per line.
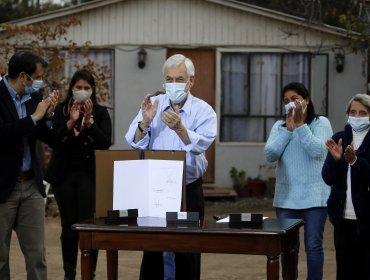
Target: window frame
{"x":250,"y":53}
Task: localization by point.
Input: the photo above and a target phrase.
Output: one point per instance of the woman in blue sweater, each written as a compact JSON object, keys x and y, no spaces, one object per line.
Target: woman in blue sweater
{"x":347,"y":170}
{"x":297,"y":144}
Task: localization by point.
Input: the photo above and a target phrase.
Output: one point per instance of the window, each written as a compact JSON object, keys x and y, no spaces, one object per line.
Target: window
{"x":101,"y":61}
{"x":251,"y":86}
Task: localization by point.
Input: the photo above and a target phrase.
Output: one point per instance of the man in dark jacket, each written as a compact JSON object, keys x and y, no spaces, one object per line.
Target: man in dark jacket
{"x":23,"y":121}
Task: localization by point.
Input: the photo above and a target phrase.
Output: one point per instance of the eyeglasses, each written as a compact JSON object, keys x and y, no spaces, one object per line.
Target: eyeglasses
{"x":38,"y":78}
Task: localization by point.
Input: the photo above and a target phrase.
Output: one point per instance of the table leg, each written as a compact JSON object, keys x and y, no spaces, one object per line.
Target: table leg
{"x":289,"y":263}
{"x":112,"y":265}
{"x":86,"y":264}
{"x":272,"y":267}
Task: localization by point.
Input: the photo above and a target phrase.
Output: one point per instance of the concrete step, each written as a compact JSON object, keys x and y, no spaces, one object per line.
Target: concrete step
{"x":218,"y":192}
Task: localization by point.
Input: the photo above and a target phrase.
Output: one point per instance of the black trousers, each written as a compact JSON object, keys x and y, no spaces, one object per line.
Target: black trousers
{"x":187,"y":264}
{"x":352,"y":250}
{"x":75,"y":198}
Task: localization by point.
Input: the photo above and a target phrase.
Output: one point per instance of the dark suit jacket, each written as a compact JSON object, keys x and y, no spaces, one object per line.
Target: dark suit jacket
{"x":77,"y":153}
{"x":12,"y":131}
{"x":334,"y":174}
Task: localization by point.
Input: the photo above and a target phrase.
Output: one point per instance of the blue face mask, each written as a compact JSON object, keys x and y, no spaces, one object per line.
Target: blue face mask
{"x":358,"y":124}
{"x":36,"y":85}
{"x":175,"y":92}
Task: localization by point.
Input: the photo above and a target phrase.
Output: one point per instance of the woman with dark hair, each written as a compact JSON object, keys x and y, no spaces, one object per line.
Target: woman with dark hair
{"x":347,"y":170}
{"x":82,"y":126}
{"x":297,"y":144}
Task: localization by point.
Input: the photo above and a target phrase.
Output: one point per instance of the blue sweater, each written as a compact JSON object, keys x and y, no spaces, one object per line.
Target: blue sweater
{"x":300,"y":156}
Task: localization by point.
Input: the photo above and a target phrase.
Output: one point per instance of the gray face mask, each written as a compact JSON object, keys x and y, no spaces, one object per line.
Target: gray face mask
{"x":81,"y":95}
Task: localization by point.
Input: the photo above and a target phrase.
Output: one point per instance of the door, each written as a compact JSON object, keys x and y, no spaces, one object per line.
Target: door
{"x":204,"y":88}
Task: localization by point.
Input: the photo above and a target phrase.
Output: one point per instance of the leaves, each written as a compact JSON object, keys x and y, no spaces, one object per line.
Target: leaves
{"x":51,"y":42}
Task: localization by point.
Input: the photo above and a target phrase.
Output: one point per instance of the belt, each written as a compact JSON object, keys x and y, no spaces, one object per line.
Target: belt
{"x":25,"y":176}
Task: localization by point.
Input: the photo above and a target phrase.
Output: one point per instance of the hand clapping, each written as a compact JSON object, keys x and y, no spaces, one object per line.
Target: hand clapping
{"x":172,"y":118}
{"x":335,"y":149}
{"x":350,"y":154}
{"x":148,"y":109}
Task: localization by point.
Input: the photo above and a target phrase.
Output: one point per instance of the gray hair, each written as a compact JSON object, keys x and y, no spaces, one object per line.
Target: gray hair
{"x":364,"y":99}
{"x":178,"y":59}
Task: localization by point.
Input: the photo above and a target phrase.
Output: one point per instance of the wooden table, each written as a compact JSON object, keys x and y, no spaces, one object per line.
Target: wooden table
{"x":151,"y":234}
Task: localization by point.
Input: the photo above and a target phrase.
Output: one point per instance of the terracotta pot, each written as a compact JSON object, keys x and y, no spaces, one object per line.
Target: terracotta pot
{"x":256,"y":187}
{"x":241,"y":191}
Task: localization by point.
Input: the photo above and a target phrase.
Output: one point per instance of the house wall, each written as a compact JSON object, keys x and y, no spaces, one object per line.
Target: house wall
{"x":158,"y":24}
{"x":342,"y":86}
{"x":189,"y":23}
{"x":132,"y":83}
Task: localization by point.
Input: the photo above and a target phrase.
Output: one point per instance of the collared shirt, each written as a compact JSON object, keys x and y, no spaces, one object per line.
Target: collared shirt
{"x":19,"y":102}
{"x":201,"y":123}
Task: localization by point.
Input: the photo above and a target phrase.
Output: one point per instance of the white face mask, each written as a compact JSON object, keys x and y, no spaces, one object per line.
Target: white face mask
{"x":292,"y":105}
{"x":288,"y":106}
{"x":81,"y":95}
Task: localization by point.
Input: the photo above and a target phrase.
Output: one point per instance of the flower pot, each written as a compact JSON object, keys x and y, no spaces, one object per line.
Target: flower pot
{"x":256,"y":187}
{"x":242,"y":191}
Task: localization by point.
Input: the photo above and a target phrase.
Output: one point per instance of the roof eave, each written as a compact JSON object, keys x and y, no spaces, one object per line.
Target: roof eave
{"x":64,"y":12}
{"x":280,"y":16}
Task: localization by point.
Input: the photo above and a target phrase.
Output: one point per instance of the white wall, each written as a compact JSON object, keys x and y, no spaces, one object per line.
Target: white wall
{"x":342,"y":87}
{"x":131,"y":85}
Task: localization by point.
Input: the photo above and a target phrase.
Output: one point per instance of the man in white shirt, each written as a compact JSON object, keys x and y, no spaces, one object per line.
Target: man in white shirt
{"x":176,"y":120}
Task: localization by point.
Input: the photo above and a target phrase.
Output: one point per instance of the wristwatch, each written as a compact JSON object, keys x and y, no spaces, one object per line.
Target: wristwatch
{"x":90,"y":121}
{"x":50,"y":115}
{"x":143,"y":130}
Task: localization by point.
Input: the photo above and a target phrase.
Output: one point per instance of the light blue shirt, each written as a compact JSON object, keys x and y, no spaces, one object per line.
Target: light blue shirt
{"x":201,"y":123}
{"x":300,"y":156}
{"x":19,"y":102}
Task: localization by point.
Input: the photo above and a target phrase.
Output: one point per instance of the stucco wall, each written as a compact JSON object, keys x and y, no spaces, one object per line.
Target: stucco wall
{"x":131,"y":85}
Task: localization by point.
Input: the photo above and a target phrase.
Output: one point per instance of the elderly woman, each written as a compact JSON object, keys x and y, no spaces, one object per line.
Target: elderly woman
{"x":347,"y":170}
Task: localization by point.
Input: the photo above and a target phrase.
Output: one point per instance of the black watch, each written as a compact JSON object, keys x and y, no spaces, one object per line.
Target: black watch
{"x":143,"y":131}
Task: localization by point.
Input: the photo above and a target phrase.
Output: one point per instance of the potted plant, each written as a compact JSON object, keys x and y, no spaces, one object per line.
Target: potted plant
{"x":256,"y":186}
{"x":239,"y":181}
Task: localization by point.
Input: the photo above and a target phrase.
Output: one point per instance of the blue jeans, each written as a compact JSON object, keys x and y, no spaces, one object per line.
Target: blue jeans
{"x":314,"y":223}
{"x":169,"y":266}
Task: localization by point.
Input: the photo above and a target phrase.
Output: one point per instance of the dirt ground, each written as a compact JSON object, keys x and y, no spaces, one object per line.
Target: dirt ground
{"x":214,"y":266}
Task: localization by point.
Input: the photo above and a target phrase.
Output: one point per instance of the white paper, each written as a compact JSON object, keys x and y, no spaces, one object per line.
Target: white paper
{"x":154,"y":187}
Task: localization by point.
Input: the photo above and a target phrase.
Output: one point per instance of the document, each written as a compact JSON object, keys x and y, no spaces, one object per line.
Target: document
{"x":154,"y":187}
